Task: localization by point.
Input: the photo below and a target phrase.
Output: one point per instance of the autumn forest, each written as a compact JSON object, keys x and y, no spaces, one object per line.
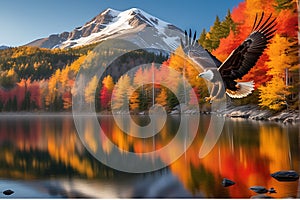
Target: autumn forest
{"x":37,"y":79}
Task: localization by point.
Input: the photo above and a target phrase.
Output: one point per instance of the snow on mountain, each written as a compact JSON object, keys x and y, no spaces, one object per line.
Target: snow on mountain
{"x":2,"y":47}
{"x":134,"y":24}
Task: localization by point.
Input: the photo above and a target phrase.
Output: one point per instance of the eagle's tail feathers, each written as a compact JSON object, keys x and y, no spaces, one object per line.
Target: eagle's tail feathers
{"x":244,"y":89}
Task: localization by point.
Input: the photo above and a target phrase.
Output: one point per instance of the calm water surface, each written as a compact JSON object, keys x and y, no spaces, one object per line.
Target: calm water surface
{"x":42,"y":156}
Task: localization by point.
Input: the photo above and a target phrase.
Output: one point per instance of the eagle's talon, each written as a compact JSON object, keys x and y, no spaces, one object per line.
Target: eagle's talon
{"x":212,"y":99}
{"x":207,"y":99}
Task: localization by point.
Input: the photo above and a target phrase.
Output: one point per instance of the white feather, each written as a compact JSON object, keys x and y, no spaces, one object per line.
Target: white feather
{"x":245,"y":88}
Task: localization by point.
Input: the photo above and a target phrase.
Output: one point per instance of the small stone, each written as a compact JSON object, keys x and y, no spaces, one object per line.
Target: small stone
{"x":226,"y":182}
{"x":8,"y":192}
{"x":272,"y":190}
{"x":259,"y":189}
{"x":286,"y":176}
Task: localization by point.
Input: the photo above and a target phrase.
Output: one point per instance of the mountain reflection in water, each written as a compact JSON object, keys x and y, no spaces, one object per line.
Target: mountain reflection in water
{"x":43,"y":153}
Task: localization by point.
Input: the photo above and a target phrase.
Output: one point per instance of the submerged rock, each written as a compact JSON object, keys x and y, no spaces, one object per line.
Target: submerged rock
{"x":226,"y":182}
{"x":272,"y":190}
{"x":8,"y":192}
{"x":259,"y":189}
{"x":284,"y":175}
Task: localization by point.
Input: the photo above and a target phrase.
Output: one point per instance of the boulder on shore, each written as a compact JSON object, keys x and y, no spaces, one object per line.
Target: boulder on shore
{"x":255,"y":113}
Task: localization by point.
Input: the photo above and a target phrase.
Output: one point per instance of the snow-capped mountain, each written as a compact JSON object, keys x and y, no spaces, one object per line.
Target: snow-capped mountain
{"x":3,"y":47}
{"x":133,"y":24}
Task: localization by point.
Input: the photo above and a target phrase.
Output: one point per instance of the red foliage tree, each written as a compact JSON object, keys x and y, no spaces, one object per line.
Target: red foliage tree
{"x":287,"y":23}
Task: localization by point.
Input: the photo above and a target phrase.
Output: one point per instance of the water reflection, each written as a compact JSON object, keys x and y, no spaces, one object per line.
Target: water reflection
{"x":47,"y":147}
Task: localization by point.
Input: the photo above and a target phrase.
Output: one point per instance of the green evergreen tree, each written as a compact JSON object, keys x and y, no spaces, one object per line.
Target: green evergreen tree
{"x":221,"y":29}
{"x":202,"y":37}
{"x":215,"y":34}
{"x":283,"y":4}
{"x":8,"y":105}
{"x":227,"y":25}
{"x":58,"y":103}
{"x":1,"y":106}
{"x":172,"y":100}
{"x":26,"y":102}
{"x":143,"y":104}
{"x":15,"y":104}
{"x":182,"y":94}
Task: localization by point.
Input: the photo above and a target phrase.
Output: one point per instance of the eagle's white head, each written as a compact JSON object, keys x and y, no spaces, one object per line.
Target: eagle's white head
{"x":208,"y":75}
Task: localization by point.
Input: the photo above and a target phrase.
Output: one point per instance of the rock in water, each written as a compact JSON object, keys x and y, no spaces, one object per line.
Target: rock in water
{"x":283,"y":175}
{"x":8,"y":192}
{"x":272,"y":190}
{"x":259,"y":189}
{"x":226,"y":182}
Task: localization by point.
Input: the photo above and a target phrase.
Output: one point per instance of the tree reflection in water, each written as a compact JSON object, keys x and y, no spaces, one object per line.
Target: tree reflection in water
{"x":40,"y":147}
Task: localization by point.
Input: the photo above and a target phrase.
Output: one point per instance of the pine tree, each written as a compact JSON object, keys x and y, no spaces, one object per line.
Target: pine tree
{"x":202,"y":37}
{"x":227,"y":25}
{"x":215,"y":34}
{"x":172,"y":100}
{"x":8,"y":105}
{"x":1,"y":106}
{"x":15,"y":104}
{"x":283,"y":4}
{"x":26,"y":102}
{"x":221,"y":29}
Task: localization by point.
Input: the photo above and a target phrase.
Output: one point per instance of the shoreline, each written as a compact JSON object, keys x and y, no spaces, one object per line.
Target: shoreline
{"x":251,"y":112}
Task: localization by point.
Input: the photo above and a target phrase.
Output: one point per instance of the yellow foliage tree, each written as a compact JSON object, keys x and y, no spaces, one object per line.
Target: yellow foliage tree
{"x":108,"y":82}
{"x":75,"y":66}
{"x":89,"y":93}
{"x":134,"y":100}
{"x":65,"y":78}
{"x":274,"y":94}
{"x":120,"y":97}
{"x":53,"y":87}
{"x":189,"y":69}
{"x":162,"y":98}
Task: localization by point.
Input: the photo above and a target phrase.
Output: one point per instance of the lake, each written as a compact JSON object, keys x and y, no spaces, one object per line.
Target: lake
{"x":44,"y":156}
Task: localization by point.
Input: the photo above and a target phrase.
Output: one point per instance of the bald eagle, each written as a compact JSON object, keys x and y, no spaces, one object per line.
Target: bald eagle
{"x":224,"y":75}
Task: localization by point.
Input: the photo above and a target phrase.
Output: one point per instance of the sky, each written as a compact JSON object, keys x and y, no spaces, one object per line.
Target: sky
{"x":22,"y":21}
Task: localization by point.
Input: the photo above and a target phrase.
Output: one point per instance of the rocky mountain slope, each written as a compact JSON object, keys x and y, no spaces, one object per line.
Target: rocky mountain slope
{"x":134,"y":24}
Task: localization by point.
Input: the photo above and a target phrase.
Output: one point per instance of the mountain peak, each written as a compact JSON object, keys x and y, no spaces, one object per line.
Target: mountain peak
{"x":110,"y":11}
{"x":109,"y":23}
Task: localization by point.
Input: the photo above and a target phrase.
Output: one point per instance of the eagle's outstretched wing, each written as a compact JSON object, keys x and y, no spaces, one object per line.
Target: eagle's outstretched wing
{"x":244,"y":57}
{"x":197,"y":53}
